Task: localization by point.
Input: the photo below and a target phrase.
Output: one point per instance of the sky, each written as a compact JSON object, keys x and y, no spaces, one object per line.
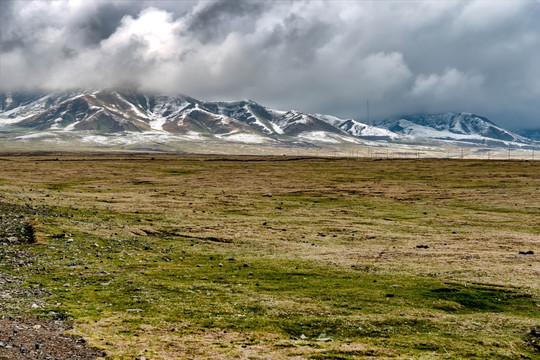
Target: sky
{"x":330,"y":57}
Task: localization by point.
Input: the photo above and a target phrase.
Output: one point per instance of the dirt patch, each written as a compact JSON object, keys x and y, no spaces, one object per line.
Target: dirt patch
{"x":26,"y":337}
{"x":42,"y":339}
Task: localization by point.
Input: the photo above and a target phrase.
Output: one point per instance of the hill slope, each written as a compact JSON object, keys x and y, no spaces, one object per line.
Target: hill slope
{"x":109,"y":112}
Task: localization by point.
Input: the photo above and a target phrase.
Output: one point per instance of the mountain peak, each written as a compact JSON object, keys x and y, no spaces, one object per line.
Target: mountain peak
{"x":125,"y":111}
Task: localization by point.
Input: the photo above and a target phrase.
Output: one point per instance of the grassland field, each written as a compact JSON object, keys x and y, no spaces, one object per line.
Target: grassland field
{"x":238,"y":257}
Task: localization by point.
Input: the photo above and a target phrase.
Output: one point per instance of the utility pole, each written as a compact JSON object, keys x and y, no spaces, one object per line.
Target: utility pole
{"x":367,"y":110}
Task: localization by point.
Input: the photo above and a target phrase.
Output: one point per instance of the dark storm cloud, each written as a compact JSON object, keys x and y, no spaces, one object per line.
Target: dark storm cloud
{"x":103,"y":21}
{"x":217,"y":20}
{"x":315,"y":56}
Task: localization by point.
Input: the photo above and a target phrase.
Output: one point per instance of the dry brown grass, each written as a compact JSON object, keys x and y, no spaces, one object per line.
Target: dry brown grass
{"x":358,"y":216}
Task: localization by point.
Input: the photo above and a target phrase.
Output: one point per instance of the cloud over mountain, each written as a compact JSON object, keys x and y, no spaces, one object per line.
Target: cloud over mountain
{"x":325,"y":57}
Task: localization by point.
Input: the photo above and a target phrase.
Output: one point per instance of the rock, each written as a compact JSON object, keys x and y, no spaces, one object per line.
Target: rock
{"x":422,"y":247}
{"x":303,"y":337}
{"x":134,"y":310}
{"x":231,"y":259}
{"x":34,"y":306}
{"x":13,"y":239}
{"x":220,"y":265}
{"x":325,"y":339}
{"x":530,"y":252}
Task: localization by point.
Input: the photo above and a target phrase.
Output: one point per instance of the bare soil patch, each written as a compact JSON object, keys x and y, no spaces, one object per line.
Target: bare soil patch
{"x":25,"y":337}
{"x":28,"y":338}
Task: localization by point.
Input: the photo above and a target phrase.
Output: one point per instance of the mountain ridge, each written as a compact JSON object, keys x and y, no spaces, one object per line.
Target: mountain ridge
{"x":115,"y":111}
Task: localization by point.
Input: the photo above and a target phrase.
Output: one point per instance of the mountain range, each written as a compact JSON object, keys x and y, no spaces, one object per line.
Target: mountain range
{"x":110,"y":112}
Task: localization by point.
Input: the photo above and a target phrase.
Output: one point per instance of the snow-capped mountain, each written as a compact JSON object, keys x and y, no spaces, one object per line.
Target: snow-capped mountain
{"x":109,"y":112}
{"x":464,"y":127}
{"x":115,"y":111}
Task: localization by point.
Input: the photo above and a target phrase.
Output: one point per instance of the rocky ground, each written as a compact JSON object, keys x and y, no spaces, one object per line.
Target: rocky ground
{"x":23,"y":336}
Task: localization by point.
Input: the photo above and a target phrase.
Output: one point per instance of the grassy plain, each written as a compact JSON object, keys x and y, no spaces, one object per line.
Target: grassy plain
{"x":173,"y":256}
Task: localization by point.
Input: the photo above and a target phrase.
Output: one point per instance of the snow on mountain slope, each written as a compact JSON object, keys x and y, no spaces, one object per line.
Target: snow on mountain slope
{"x":16,"y":107}
{"x":453,"y":127}
{"x":132,"y":114}
{"x":357,"y":128}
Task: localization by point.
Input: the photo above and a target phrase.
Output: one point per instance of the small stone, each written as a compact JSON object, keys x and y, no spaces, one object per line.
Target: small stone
{"x":530,"y":252}
{"x":303,"y":337}
{"x":35,"y":306}
{"x":220,"y":265}
{"x":134,"y":310}
{"x":13,"y":239}
{"x":231,"y":259}
{"x":37,"y":327}
{"x":422,"y":247}
{"x":325,"y":339}
{"x":70,"y":240}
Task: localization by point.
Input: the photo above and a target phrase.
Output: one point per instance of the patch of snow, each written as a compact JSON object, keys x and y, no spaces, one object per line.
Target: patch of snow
{"x":9,"y":100}
{"x":257,"y":120}
{"x":133,"y":107}
{"x":244,"y":138}
{"x":321,"y":136}
{"x":56,"y":124}
{"x":224,"y":120}
{"x":277,"y":129}
{"x":332,"y":120}
{"x":165,"y":105}
{"x":9,"y":121}
{"x":37,"y":135}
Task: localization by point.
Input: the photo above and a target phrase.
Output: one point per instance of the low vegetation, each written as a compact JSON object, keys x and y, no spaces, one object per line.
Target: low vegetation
{"x":173,"y":256}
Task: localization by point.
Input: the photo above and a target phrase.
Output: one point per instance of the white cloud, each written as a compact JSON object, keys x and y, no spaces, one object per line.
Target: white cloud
{"x":315,"y":56}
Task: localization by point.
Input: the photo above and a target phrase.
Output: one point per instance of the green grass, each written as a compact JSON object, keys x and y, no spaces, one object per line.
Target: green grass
{"x":319,"y":247}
